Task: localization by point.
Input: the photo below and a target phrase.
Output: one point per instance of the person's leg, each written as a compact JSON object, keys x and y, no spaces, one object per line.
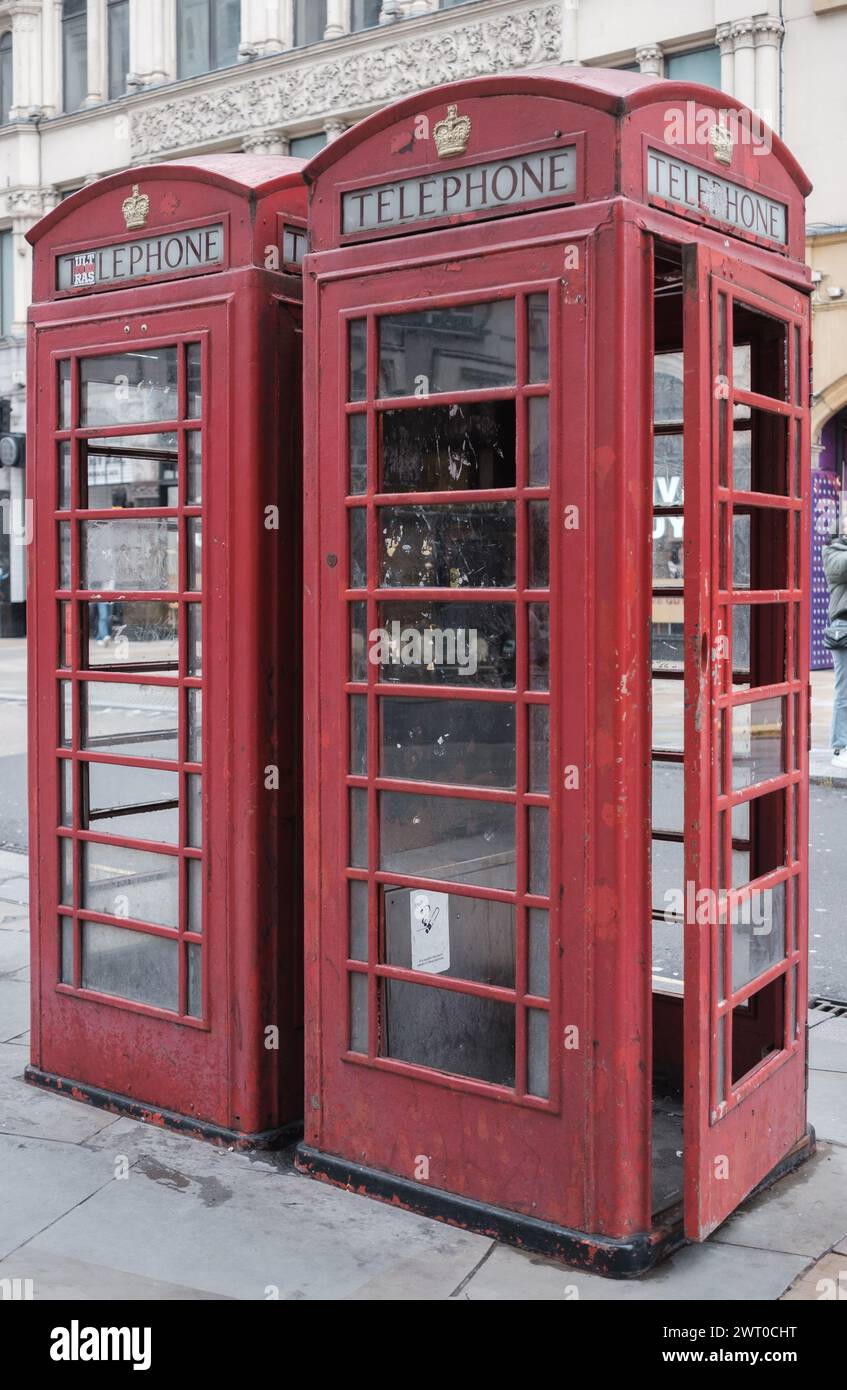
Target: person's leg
{"x":103,"y":610}
{"x":839,"y":699}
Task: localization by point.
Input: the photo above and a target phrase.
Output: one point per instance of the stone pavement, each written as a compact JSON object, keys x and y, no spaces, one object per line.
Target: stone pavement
{"x":97,"y":1207}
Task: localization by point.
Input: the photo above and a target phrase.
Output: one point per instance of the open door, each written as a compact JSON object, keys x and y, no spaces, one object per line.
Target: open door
{"x":746,"y":718}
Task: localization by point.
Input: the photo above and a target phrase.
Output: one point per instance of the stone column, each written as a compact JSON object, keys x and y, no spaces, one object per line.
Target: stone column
{"x":568,"y":50}
{"x":148,"y":64}
{"x":337,"y":18}
{"x":332,"y":129}
{"x":27,"y":66}
{"x":767,"y":34}
{"x":390,"y":12}
{"x":265,"y":142}
{"x":97,"y":64}
{"x":262,"y":28}
{"x":26,"y":206}
{"x":650,"y":59}
{"x":744,"y":62}
{"x":726,"y":44}
{"x":51,"y":20}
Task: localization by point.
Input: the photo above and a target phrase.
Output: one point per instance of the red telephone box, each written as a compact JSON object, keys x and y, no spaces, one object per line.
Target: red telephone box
{"x":529,"y":298}
{"x":165,"y":369}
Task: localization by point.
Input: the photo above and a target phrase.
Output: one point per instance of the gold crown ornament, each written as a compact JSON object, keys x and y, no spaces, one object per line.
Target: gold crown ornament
{"x":722,"y":142}
{"x":451,"y":135}
{"x":136,"y":208}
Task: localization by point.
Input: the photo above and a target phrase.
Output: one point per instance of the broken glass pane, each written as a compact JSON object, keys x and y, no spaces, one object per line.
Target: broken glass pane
{"x":466,"y":546}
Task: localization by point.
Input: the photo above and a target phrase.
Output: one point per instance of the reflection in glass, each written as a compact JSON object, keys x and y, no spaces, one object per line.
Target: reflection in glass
{"x":461,"y":742}
{"x":64,"y":370}
{"x":358,"y":451}
{"x":469,"y":347}
{"x":538,"y":620}
{"x":539,"y":748}
{"x":481,"y":935}
{"x":468,"y":545}
{"x":358,"y":346}
{"x":138,"y":471}
{"x":194,"y":810}
{"x":130,"y":883}
{"x":129,"y":387}
{"x":194,"y":740}
{"x":357,"y":520}
{"x":195,"y":553}
{"x":539,"y":441}
{"x":66,"y":872}
{"x":66,"y":713}
{"x":449,"y":1032}
{"x":194,"y":885}
{"x":667,"y":388}
{"x":668,"y":633}
{"x":758,"y":751}
{"x":194,"y":385}
{"x":63,"y":500}
{"x":65,"y":635}
{"x":130,"y":965}
{"x":136,"y":803}
{"x":139,"y":720}
{"x":668,"y":714}
{"x":131,"y":634}
{"x":446,"y":643}
{"x":66,"y":792}
{"x":358,"y":641}
{"x":450,"y":838}
{"x":539,"y":546}
{"x":64,"y":554}
{"x":445,"y":448}
{"x":538,"y":336}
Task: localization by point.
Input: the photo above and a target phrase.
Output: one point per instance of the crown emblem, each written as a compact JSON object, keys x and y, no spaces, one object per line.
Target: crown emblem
{"x":451,"y":135}
{"x":136,"y":207}
{"x":722,"y":142}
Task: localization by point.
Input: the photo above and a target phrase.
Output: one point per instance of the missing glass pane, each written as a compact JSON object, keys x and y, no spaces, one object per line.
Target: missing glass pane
{"x":135,"y":803}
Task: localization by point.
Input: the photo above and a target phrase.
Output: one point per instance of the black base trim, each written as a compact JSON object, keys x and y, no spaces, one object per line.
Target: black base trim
{"x":118,"y":1104}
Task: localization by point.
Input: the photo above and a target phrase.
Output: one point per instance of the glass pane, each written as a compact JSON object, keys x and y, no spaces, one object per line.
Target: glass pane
{"x":66,"y":791}
{"x":538,"y":978}
{"x":668,"y":632}
{"x":668,"y":715}
{"x":538,"y":1052}
{"x":539,"y":441}
{"x":358,"y":449}
{"x":63,"y":500}
{"x":194,"y":808}
{"x":126,"y":555}
{"x":131,"y":883}
{"x":194,"y":741}
{"x":129,"y":387}
{"x":194,"y":385}
{"x":668,"y":473}
{"x":194,"y":881}
{"x":357,"y":521}
{"x":758,"y":934}
{"x":668,"y":796}
{"x":358,"y":939}
{"x":358,"y":344}
{"x":450,"y":838}
{"x":194,"y":619}
{"x":538,"y":616}
{"x":446,"y":644}
{"x":757,"y":742}
{"x":358,"y":828}
{"x":538,"y":336}
{"x":130,"y":965}
{"x":539,"y":850}
{"x":64,"y":554}
{"x":135,"y":472}
{"x":444,"y":934}
{"x":131,"y":634}
{"x":358,"y":1012}
{"x":668,"y":877}
{"x":539,"y":546}
{"x":359,"y":735}
{"x":450,"y":1032}
{"x":66,"y":872}
{"x":539,"y":748}
{"x":467,"y":348}
{"x":465,"y":742}
{"x":194,"y":476}
{"x":194,"y":962}
{"x":358,"y":641}
{"x":66,"y":950}
{"x":66,"y":722}
{"x":64,"y":370}
{"x":667,"y":388}
{"x":65,"y":636}
{"x":466,"y":546}
{"x":136,"y":803}
{"x":195,"y":553}
{"x":442,"y":448}
{"x":139,"y":720}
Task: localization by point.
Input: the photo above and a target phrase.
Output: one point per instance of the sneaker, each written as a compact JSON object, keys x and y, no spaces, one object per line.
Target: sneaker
{"x":840,"y":758}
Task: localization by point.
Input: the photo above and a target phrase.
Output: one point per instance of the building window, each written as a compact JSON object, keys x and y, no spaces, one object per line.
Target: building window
{"x":364,"y":14}
{"x":449,"y":4}
{"x":304,"y":146}
{"x":208,"y":35}
{"x":118,"y":16}
{"x":74,"y":53}
{"x":309,"y":21}
{"x":7,"y":293}
{"x":698,"y":65}
{"x":5,"y":76}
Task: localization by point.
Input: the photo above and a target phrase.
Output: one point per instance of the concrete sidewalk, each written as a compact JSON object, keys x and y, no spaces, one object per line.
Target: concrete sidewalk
{"x":95,"y":1207}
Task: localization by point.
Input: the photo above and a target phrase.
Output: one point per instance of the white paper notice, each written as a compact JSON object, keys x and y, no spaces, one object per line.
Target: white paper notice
{"x":430,"y":931}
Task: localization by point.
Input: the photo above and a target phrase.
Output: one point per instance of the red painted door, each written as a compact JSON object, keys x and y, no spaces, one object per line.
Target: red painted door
{"x":746,"y":676}
{"x":444,"y":697}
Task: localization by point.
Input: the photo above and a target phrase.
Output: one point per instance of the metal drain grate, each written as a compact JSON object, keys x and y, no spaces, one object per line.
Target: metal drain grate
{"x":836,"y":1007}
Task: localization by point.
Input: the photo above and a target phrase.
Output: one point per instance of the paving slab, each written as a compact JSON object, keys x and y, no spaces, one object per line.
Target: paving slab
{"x":14,"y":890}
{"x":61,"y":1278}
{"x":14,"y":1009}
{"x":13,"y":1058}
{"x":828,"y":1046}
{"x":12,"y":863}
{"x":826,"y":1281}
{"x":28,"y":1110}
{"x":802,"y":1214}
{"x":14,"y":951}
{"x":253,"y":1233}
{"x":42,"y":1181}
{"x":828,"y":1105}
{"x":704,"y":1272}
